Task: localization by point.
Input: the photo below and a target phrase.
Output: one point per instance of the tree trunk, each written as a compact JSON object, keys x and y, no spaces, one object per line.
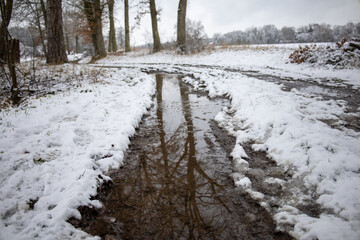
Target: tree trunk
{"x":42,"y":38}
{"x":112,"y":35}
{"x":181,"y":26}
{"x":11,"y":64}
{"x":67,"y":43}
{"x":7,"y":53}
{"x":76,"y":44}
{"x":155,"y":31}
{"x":93,"y":14}
{"x":6,"y":12}
{"x":43,"y":9}
{"x":121,"y":37}
{"x":38,"y":16}
{"x":55,"y":34}
{"x":127,"y":30}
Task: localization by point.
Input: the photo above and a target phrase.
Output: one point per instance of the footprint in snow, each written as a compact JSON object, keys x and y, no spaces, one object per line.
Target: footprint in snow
{"x":82,"y":137}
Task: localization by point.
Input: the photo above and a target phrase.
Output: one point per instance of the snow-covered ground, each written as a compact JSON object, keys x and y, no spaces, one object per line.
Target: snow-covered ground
{"x":55,"y":150}
{"x":289,"y":126}
{"x":266,"y":59}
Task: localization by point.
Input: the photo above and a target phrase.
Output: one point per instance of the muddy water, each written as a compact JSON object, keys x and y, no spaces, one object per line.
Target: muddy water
{"x":176,"y":182}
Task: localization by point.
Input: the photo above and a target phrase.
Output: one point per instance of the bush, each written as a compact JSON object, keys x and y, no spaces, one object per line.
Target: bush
{"x":196,"y":38}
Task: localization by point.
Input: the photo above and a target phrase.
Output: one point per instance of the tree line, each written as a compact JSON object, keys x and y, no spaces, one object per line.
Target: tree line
{"x":51,"y":24}
{"x":270,"y":34}
{"x":79,"y":22}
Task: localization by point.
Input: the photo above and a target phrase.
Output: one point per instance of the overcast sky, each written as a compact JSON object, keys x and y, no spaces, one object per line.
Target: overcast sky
{"x":222,"y":16}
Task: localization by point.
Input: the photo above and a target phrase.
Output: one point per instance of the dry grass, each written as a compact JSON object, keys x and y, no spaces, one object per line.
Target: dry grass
{"x":36,"y":78}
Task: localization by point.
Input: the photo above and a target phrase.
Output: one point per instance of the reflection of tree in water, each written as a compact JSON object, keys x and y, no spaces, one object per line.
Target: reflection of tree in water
{"x":169,"y":195}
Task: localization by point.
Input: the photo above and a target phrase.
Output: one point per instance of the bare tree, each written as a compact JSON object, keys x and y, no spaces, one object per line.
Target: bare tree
{"x":7,"y":54}
{"x":144,"y":7}
{"x":121,"y":37}
{"x":34,"y":13}
{"x":112,"y":35}
{"x":55,"y":34}
{"x":181,"y":27}
{"x":155,"y":31}
{"x":196,"y":39}
{"x":93,"y":12}
{"x":127,"y":29}
{"x":76,"y":27}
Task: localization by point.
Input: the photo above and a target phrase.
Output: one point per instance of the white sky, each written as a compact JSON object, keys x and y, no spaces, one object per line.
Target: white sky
{"x":222,"y":16}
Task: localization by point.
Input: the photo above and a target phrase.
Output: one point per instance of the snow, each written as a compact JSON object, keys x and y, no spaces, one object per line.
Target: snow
{"x":75,"y":57}
{"x":289,"y":126}
{"x":56,"y":151}
{"x":265,"y":59}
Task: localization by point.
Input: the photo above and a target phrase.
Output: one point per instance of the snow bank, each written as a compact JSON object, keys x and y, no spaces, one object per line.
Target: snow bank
{"x":55,"y":152}
{"x":290,"y":128}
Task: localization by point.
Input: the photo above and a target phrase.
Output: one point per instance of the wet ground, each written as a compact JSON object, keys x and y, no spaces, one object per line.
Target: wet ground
{"x":176,"y":181}
{"x":327,"y":89}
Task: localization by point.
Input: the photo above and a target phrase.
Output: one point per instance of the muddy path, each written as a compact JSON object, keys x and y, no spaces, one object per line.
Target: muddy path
{"x":176,"y":180}
{"x":327,"y":89}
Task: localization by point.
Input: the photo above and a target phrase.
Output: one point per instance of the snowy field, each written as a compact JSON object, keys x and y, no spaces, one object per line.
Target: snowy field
{"x":56,"y":150}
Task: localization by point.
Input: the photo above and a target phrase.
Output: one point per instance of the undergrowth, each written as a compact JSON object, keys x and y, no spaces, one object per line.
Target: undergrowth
{"x":35,"y":78}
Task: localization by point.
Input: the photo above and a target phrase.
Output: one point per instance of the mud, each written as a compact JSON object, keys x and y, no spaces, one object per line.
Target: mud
{"x":326,"y":89}
{"x":175,"y":182}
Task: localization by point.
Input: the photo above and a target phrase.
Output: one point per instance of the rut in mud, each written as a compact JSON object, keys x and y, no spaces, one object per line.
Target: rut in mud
{"x":176,"y":181}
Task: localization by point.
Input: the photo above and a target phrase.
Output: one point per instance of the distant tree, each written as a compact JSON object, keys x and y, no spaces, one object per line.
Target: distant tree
{"x":217,"y":38}
{"x":288,"y":34}
{"x":195,"y":36}
{"x":112,"y":34}
{"x":121,"y":37}
{"x":127,"y":28}
{"x":269,"y":34}
{"x":76,"y":27}
{"x":304,"y":34}
{"x":348,"y":30}
{"x":181,"y":26}
{"x":34,"y":13}
{"x":155,"y":31}
{"x":93,"y":12}
{"x":323,"y":33}
{"x":254,"y":35}
{"x":55,"y":34}
{"x":357,"y":30}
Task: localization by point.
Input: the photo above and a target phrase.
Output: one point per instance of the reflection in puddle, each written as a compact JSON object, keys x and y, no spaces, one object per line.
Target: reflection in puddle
{"x":173,"y":190}
{"x":175,"y":183}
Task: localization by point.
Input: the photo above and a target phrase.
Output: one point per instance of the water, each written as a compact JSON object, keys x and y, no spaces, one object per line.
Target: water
{"x":176,"y":182}
{"x":318,"y":90}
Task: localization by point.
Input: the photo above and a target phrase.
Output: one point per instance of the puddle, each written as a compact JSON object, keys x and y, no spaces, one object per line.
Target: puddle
{"x":317,"y":90}
{"x":175,"y":183}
